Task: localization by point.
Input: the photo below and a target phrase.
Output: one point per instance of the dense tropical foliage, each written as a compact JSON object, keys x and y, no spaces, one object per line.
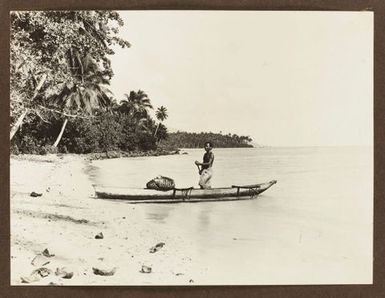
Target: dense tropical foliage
{"x":106,"y":130}
{"x":57,"y":53}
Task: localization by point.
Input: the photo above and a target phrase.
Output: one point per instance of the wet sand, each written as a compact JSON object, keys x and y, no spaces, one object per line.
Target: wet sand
{"x":65,"y":220}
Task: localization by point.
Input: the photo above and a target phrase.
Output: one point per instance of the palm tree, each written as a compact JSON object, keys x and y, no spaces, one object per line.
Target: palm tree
{"x":161,"y":115}
{"x":84,"y":94}
{"x":136,"y":104}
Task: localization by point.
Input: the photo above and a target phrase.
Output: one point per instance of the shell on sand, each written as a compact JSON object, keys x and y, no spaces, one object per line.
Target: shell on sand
{"x":103,"y":272}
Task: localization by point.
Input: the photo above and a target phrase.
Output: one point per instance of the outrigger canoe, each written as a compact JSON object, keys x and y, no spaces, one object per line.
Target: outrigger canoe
{"x":179,"y":195}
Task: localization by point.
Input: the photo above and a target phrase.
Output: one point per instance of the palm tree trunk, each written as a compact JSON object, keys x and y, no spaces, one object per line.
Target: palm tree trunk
{"x":61,"y":133}
{"x":156,"y":130}
{"x":18,"y":123}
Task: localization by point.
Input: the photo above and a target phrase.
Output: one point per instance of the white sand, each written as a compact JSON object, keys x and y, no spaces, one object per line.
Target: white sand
{"x":65,"y":220}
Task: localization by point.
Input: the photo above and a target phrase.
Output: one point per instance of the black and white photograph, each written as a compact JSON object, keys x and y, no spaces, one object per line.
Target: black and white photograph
{"x":191,"y":147}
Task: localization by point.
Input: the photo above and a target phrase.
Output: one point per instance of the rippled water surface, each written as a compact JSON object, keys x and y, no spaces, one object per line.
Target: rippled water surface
{"x":313,"y":226}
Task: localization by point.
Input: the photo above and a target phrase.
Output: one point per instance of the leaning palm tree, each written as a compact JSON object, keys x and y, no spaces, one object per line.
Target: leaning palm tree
{"x":161,"y":115}
{"x":85,"y":93}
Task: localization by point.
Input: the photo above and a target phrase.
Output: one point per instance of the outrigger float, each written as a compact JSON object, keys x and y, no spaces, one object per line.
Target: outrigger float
{"x":183,"y":195}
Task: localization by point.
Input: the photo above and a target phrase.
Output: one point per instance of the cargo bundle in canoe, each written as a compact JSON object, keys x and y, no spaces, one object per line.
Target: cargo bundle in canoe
{"x":179,"y":195}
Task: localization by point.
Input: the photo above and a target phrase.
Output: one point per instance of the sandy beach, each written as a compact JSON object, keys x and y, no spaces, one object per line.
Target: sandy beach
{"x":65,"y":220}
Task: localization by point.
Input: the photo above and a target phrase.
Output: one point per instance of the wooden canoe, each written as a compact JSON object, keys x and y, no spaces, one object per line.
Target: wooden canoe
{"x":179,"y":195}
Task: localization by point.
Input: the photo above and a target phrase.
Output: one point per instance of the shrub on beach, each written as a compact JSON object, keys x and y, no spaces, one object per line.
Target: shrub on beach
{"x":91,"y":135}
{"x":34,"y":136}
{"x":48,"y":149}
{"x":108,"y":131}
{"x":76,"y":137}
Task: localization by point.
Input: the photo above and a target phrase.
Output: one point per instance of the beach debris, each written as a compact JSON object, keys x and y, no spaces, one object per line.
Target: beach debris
{"x":30,"y":279}
{"x":191,"y":281}
{"x":156,"y":247}
{"x":47,"y":254}
{"x":178,"y":274}
{"x":43,"y":272}
{"x":103,"y":272}
{"x":145,"y":269}
{"x":36,"y":275}
{"x":64,"y":273}
{"x":35,"y":194}
{"x":39,"y":261}
{"x":99,"y":236}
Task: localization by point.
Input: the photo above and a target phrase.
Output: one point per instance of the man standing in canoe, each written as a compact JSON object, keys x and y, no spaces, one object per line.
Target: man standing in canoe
{"x":206,"y":167}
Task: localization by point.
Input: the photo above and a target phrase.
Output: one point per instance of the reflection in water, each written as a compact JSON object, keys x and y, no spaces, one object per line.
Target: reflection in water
{"x":158,"y":213}
{"x":157,"y":217}
{"x":162,"y":213}
{"x":204,"y":218}
{"x":92,"y":171}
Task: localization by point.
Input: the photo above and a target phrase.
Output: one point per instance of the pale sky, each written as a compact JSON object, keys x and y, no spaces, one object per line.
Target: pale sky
{"x":283,"y":78}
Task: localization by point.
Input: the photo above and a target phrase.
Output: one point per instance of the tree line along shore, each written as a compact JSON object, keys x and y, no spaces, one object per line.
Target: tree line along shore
{"x":60,"y":97}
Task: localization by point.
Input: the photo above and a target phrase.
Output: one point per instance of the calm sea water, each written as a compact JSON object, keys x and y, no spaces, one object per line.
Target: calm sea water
{"x":314,"y":226}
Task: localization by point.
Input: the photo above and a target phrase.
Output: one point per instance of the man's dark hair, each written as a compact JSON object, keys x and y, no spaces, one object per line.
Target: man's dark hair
{"x":209,"y":143}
